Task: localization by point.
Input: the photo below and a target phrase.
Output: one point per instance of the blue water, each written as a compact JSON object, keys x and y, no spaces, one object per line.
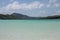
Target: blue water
{"x":30,"y":29}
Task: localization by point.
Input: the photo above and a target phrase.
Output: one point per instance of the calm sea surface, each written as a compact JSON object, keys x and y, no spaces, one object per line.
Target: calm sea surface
{"x":30,"y":29}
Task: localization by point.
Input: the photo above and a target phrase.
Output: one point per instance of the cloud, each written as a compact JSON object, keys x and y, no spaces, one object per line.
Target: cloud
{"x":52,"y":4}
{"x":35,"y":4}
{"x":52,"y":1}
{"x":11,"y":0}
{"x":57,"y":4}
{"x":16,"y":5}
{"x":48,"y":5}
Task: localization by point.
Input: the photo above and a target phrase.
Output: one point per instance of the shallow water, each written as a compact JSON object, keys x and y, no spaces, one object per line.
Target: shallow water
{"x":30,"y":29}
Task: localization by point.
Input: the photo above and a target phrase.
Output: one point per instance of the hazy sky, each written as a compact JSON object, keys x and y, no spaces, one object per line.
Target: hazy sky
{"x":30,"y":7}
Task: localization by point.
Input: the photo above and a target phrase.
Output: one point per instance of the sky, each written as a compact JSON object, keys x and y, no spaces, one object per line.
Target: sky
{"x":35,"y":8}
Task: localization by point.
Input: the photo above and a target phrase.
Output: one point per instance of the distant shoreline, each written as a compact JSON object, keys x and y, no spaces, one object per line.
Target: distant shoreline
{"x":17,"y":16}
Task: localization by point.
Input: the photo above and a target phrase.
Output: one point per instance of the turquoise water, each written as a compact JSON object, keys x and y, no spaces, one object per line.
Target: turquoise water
{"x":30,"y":29}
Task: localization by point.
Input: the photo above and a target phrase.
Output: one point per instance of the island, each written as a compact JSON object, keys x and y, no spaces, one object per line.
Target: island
{"x":21,"y":16}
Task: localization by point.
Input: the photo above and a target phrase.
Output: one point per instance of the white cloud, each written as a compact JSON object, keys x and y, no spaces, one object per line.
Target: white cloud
{"x":14,"y":5}
{"x":11,"y":0}
{"x":57,"y":4}
{"x":34,"y":4}
{"x":17,"y":5}
{"x":52,"y":1}
{"x":48,"y":5}
{"x":52,"y":4}
{"x":41,"y":5}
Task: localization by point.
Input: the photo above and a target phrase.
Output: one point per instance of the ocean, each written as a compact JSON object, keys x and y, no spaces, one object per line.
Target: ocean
{"x":30,"y":29}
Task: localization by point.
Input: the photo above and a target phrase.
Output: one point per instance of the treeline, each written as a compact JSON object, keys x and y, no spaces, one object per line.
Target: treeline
{"x":51,"y":17}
